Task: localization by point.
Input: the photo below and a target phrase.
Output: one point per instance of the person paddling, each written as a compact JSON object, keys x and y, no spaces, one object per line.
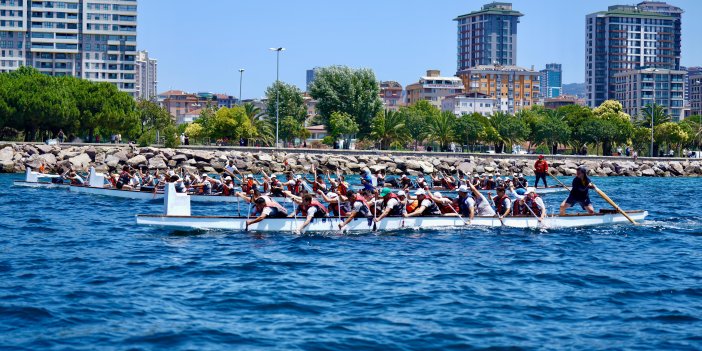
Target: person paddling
{"x":359,"y":206}
{"x":310,"y":208}
{"x":579,"y":193}
{"x":392,"y":205}
{"x":267,"y":208}
{"x":540,"y":170}
{"x":503,"y":205}
{"x":479,"y":205}
{"x":426,"y":206}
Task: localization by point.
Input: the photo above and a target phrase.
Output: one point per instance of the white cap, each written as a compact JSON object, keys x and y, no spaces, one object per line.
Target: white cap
{"x":298,"y":177}
{"x":249,"y":176}
{"x":420,"y":192}
{"x":204,"y":175}
{"x":516,"y":175}
{"x":332,"y":195}
{"x":438,"y":195}
{"x":490,"y":175}
{"x":476,"y":175}
{"x":228,"y":178}
{"x":530,"y":190}
{"x":401,"y":193}
{"x":463,"y":189}
{"x":404,"y":176}
{"x":521,"y":175}
{"x":273,"y":176}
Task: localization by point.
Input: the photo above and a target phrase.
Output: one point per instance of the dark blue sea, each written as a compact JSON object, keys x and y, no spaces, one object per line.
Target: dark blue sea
{"x":76,"y":273}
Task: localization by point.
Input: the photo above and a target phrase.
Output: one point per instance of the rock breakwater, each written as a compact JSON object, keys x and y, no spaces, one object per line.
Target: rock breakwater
{"x":14,"y":158}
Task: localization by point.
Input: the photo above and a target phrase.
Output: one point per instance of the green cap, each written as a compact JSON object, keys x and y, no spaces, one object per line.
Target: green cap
{"x":385,"y":192}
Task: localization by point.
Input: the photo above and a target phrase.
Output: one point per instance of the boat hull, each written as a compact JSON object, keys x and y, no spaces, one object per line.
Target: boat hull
{"x":387,"y":224}
{"x":44,"y":185}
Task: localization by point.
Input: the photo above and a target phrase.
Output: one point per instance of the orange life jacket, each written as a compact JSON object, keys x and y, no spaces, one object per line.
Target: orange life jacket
{"x":314,"y":203}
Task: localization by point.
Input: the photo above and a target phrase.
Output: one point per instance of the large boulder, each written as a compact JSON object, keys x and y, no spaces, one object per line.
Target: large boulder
{"x":7,"y":154}
{"x":112,"y":161}
{"x":81,"y":161}
{"x":45,"y":149}
{"x":648,"y":172}
{"x":676,"y":168}
{"x":265,"y":157}
{"x":137,"y":160}
{"x":157,"y":162}
{"x":7,"y":166}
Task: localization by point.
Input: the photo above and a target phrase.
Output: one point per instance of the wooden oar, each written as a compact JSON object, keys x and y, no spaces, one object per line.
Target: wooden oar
{"x":559,"y":181}
{"x":458,"y":214}
{"x":616,"y":207}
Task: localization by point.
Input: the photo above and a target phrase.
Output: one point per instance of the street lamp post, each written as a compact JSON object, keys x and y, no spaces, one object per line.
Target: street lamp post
{"x":241,"y":80}
{"x":653,"y":111}
{"x":277,"y":92}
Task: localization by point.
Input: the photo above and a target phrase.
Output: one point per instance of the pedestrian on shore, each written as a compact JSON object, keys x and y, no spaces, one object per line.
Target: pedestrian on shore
{"x":540,"y":170}
{"x":636,"y":155}
{"x":61,"y":136}
{"x":187,"y":140}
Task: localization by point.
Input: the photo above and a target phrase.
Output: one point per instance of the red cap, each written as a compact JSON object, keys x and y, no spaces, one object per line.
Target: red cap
{"x":541,"y":157}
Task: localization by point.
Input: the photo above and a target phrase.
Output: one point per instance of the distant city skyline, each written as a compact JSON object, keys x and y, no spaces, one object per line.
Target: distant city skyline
{"x":202,"y":50}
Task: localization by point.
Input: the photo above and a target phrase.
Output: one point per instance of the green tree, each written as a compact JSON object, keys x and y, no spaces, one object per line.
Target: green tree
{"x":551,"y":130}
{"x":671,"y":134}
{"x":441,"y":129}
{"x":342,"y":125}
{"x":152,"y":116}
{"x":388,"y":128}
{"x":291,"y":129}
{"x":291,"y":102}
{"x":345,"y":90}
{"x":469,"y":129}
{"x":510,"y":128}
{"x":693,"y":126}
{"x":194,"y":131}
{"x":262,"y":128}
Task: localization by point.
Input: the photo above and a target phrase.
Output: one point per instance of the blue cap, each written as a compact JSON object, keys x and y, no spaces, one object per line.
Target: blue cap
{"x":521,"y":191}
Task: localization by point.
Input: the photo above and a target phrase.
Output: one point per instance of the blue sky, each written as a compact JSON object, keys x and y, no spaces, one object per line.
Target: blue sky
{"x":201,"y":45}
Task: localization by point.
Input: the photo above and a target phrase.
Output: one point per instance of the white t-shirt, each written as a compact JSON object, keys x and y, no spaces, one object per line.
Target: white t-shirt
{"x":231,"y":169}
{"x":426,"y":203}
{"x":483,"y":208}
{"x":392,"y":203}
{"x":311,"y":211}
{"x":267,"y":211}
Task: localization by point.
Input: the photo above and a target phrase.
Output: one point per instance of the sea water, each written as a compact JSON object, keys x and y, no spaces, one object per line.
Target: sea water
{"x":76,"y":273}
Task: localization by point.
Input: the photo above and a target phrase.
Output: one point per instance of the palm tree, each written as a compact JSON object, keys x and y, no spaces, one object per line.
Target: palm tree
{"x":440,"y":128}
{"x":389,"y":127}
{"x":659,"y":116}
{"x":263,"y":131}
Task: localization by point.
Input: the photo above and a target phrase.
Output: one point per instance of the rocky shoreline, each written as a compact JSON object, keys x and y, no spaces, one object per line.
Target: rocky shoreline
{"x":15,"y":157}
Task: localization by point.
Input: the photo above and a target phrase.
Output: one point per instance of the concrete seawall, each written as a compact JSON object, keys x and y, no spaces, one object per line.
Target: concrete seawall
{"x":14,"y":157}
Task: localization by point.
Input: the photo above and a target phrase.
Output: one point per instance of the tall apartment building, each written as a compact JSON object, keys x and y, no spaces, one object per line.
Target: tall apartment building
{"x":433,"y":88}
{"x":695,"y":98}
{"x":146,"y":77}
{"x":672,"y":11}
{"x":552,"y":81}
{"x":689,"y":72}
{"x":627,"y":38}
{"x":514,"y":88}
{"x":310,"y":76}
{"x":91,"y":39}
{"x":638,"y":89}
{"x":488,"y":36}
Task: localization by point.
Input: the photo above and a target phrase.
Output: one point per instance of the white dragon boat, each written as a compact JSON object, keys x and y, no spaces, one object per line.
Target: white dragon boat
{"x":38,"y":180}
{"x":96,"y":185}
{"x":178,"y":216}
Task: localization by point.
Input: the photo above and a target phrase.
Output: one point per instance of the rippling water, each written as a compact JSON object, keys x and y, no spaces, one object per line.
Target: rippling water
{"x":76,"y":273}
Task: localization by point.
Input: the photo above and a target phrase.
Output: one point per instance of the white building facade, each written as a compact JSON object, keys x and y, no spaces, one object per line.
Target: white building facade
{"x":469,"y":104}
{"x":146,"y":77}
{"x":91,"y":39}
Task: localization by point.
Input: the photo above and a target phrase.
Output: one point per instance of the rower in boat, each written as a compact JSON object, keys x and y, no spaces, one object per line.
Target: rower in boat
{"x":359,"y":206}
{"x":476,"y":182}
{"x":426,"y":207}
{"x":309,"y":208}
{"x":502,"y":202}
{"x":319,"y":184}
{"x":380,"y":178}
{"x":367,"y":180}
{"x":276,"y":187}
{"x":445,"y":204}
{"x":528,"y":203}
{"x":523,"y":182}
{"x":332,"y":200}
{"x":421,"y":182}
{"x":250,"y":184}
{"x":230,"y":169}
{"x":123,"y":179}
{"x":391,"y":181}
{"x":579,"y":192}
{"x":478,"y":204}
{"x":228,"y":186}
{"x":179,"y":183}
{"x":392,"y":205}
{"x":489,"y":183}
{"x":448,"y":182}
{"x":405,"y":182}
{"x":75,"y":179}
{"x":265,"y":207}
